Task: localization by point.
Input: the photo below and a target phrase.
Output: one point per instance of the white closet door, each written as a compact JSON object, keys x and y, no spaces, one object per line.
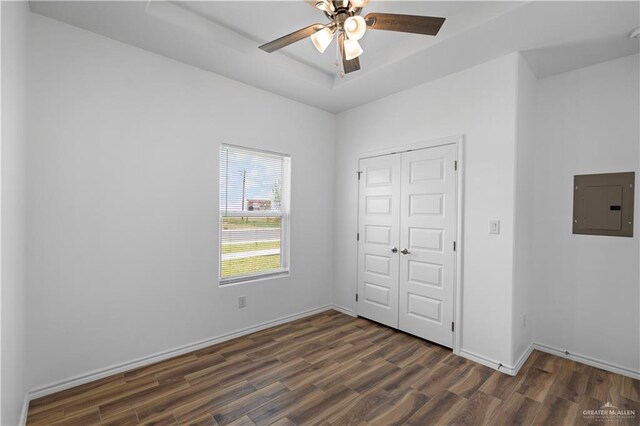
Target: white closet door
{"x":427,"y":234}
{"x":379,"y":227}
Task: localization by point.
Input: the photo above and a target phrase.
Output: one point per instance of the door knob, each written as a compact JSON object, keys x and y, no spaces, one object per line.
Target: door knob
{"x":394,"y":250}
{"x":405,"y":251}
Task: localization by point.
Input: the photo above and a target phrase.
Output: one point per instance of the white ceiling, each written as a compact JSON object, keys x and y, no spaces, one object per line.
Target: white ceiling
{"x":223,"y":36}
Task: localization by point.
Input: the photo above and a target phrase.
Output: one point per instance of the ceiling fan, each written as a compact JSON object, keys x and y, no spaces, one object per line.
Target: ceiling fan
{"x":345,"y":20}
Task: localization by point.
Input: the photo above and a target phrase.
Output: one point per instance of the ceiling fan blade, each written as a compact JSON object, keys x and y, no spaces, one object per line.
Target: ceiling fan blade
{"x":274,"y":45}
{"x":427,"y":25}
{"x":349,"y":66}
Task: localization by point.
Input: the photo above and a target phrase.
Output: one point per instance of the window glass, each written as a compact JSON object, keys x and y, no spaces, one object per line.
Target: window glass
{"x":253,"y":213}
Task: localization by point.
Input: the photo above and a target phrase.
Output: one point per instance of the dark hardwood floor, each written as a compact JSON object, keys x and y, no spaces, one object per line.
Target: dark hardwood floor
{"x":334,"y":369}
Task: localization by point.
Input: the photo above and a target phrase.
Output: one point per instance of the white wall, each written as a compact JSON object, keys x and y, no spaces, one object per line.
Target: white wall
{"x":13,"y":179}
{"x":123,"y":202}
{"x":588,"y":287}
{"x":479,"y":103}
{"x":523,"y":266}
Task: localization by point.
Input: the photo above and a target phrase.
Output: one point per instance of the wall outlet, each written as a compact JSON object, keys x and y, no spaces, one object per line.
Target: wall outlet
{"x":494,"y":226}
{"x":524,"y":321}
{"x":242,"y":302}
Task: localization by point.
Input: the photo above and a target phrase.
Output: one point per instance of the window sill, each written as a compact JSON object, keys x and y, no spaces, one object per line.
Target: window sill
{"x":252,"y":278}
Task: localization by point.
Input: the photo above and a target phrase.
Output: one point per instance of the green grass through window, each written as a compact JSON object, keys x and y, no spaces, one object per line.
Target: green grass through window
{"x":241,"y":247}
{"x":248,"y":235}
{"x":250,"y":265}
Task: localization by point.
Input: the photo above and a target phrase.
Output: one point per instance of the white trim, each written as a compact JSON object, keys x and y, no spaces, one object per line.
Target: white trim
{"x":259,"y":151}
{"x":496,"y":365}
{"x":1,"y":274}
{"x":458,"y":141}
{"x":251,"y":278}
{"x":457,"y":288}
{"x":523,"y":358}
{"x":513,"y":370}
{"x":449,"y":140}
{"x":344,"y":310}
{"x":482,"y":360}
{"x":25,"y":410}
{"x":161,"y":356}
{"x":357,"y":262}
{"x":588,"y":360}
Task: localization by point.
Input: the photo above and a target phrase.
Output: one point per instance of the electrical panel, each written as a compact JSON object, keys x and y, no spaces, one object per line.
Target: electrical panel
{"x":603,"y":204}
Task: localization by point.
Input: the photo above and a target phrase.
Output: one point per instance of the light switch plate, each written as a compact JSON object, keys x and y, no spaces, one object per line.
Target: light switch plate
{"x":494,"y":226}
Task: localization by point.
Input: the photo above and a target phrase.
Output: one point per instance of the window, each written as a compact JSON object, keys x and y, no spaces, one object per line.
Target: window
{"x":254,"y":213}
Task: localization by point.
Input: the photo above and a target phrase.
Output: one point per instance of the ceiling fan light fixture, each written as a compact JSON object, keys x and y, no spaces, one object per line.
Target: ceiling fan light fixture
{"x":355,"y":26}
{"x":322,"y":39}
{"x":325,"y":6}
{"x":359,"y":3}
{"x":352,"y":49}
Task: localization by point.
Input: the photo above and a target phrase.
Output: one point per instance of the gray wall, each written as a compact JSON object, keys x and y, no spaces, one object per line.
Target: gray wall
{"x":523,"y":267}
{"x":481,"y":104}
{"x":587,"y":287}
{"x":123,"y":202}
{"x":13,"y":216}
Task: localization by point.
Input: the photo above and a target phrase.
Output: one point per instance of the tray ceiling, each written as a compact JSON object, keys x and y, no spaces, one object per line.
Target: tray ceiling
{"x":223,"y":37}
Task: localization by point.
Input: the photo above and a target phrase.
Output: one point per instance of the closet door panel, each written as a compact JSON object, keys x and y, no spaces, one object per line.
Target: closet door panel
{"x":379,"y":228}
{"x":427,"y":233}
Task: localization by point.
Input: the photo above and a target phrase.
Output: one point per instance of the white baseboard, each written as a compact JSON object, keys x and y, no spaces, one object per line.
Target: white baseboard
{"x":344,"y":310}
{"x":513,"y":370}
{"x":496,"y":365}
{"x":482,"y":360}
{"x":24,"y":411}
{"x":523,"y":358}
{"x":161,"y":356}
{"x":588,"y":360}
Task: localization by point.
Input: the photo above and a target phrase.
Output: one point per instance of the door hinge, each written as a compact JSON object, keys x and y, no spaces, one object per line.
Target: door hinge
{"x":358,"y":236}
{"x":358,"y":173}
{"x":455,"y":165}
{"x":356,"y":297}
{"x":454,"y":246}
{"x":453,"y":326}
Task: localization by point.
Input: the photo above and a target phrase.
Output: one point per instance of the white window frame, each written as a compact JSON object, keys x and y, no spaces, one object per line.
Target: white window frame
{"x":284,"y":215}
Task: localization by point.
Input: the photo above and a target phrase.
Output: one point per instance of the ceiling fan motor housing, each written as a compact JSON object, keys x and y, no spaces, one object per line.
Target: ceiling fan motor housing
{"x":341,"y":13}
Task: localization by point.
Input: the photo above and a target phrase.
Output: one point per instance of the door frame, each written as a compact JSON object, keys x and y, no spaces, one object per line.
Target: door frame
{"x":459,"y":142}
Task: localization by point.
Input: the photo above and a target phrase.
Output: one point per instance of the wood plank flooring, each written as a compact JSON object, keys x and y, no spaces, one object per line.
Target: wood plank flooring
{"x":333,"y":369}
